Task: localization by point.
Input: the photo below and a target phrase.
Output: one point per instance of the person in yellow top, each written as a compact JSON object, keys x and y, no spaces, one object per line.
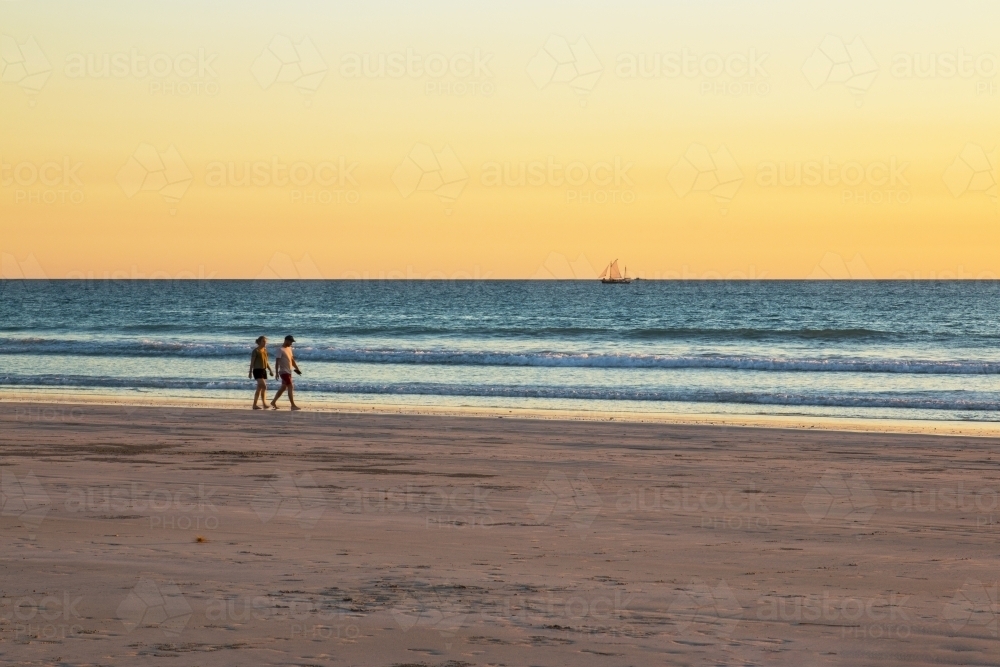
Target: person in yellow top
{"x":259,"y":368}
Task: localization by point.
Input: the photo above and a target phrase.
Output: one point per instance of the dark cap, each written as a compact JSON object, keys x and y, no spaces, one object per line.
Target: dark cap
{"x":289,"y":339}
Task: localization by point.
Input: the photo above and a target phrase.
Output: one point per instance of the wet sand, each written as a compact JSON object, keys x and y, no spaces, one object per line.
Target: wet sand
{"x":192,"y":536}
{"x":50,"y":397}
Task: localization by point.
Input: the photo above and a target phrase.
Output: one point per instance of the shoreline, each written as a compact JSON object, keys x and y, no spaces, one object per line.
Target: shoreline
{"x":45,"y":400}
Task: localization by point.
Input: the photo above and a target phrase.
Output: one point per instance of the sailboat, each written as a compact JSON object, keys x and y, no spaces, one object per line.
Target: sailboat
{"x":612,"y":276}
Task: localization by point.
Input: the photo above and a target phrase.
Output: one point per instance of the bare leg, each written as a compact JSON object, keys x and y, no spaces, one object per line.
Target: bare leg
{"x":291,"y":398}
{"x":256,"y":394}
{"x":277,"y":395}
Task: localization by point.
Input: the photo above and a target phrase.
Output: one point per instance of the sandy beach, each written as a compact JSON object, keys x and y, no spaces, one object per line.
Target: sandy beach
{"x":194,"y":536}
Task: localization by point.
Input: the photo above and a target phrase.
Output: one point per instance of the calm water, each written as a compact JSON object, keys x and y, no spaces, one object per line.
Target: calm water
{"x":910,"y":350}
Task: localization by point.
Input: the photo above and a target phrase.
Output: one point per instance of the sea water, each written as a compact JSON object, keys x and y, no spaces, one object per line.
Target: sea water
{"x":861,"y":349}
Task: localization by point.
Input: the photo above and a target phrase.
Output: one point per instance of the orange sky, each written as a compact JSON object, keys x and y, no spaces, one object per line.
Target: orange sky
{"x":686,"y":139}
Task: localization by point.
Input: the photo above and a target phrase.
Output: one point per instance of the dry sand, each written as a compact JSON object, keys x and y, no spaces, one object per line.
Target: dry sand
{"x":376,"y":539}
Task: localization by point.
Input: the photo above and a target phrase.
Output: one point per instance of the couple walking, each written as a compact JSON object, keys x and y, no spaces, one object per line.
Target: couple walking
{"x":284,"y":364}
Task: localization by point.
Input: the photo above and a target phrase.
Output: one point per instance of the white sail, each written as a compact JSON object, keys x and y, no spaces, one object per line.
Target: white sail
{"x":605,"y":271}
{"x":615,"y":274}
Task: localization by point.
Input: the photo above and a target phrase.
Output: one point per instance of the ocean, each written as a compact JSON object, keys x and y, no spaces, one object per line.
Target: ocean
{"x":859,"y":349}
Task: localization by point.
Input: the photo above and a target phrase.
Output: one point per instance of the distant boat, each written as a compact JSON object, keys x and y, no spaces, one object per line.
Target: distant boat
{"x":612,"y":276}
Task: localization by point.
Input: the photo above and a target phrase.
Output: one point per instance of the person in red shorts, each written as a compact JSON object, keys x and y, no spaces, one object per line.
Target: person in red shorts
{"x":284,"y":363}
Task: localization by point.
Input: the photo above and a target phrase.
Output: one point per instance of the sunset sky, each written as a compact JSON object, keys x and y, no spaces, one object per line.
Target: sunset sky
{"x":450,"y":139}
